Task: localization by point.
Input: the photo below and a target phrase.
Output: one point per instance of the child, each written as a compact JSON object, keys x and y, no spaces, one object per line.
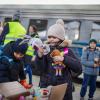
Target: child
{"x":56,"y":40}
{"x":11,"y":65}
{"x":90,"y":60}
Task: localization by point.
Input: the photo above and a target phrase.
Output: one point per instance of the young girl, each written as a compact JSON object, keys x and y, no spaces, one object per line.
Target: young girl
{"x":56,"y":38}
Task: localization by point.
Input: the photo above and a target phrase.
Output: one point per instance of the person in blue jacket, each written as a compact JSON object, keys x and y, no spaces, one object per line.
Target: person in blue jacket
{"x":11,"y":63}
{"x":56,"y":38}
{"x":90,"y":60}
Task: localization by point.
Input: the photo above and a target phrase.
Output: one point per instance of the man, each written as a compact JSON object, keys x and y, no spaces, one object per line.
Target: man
{"x":90,"y":60}
{"x":12,"y":30}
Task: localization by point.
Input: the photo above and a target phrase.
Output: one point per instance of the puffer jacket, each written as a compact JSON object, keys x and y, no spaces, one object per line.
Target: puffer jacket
{"x":87,"y":60}
{"x":48,"y":76}
{"x":10,"y":68}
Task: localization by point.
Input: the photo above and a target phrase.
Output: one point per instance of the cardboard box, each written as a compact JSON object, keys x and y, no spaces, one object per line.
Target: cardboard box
{"x":13,"y":90}
{"x":58,"y":92}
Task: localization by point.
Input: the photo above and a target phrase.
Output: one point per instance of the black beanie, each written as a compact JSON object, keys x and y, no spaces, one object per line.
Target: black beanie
{"x":20,"y":47}
{"x":16,"y":16}
{"x":93,"y":40}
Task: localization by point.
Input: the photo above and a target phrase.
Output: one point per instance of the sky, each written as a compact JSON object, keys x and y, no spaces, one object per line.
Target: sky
{"x":49,"y":2}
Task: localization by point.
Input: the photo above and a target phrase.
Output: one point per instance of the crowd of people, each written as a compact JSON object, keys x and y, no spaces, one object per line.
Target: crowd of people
{"x":17,"y":59}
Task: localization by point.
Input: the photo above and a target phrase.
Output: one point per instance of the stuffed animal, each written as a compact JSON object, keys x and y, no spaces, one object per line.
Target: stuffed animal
{"x":36,"y":43}
{"x":58,"y":65}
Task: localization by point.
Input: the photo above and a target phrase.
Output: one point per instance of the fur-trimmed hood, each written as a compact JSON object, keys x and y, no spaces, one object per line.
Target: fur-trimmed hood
{"x":66,"y":43}
{"x":87,"y":47}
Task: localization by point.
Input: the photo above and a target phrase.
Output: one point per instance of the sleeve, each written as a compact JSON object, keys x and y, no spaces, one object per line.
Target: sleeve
{"x":4,"y":60}
{"x":4,"y":32}
{"x":41,"y":63}
{"x":22,"y":75}
{"x":72,"y":62}
{"x":84,"y":60}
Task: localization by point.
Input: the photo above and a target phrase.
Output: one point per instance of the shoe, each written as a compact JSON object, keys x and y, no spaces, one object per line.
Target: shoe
{"x":90,"y":98}
{"x":81,"y":98}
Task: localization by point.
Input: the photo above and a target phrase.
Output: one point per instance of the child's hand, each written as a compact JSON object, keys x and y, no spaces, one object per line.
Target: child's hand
{"x":58,"y":58}
{"x":40,"y":52}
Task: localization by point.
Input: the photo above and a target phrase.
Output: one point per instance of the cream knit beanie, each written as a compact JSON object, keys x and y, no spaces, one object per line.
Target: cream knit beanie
{"x":57,"y":30}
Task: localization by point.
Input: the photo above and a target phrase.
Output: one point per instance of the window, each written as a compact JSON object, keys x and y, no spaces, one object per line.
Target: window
{"x":96,"y":31}
{"x":40,"y":24}
{"x":72,"y":29}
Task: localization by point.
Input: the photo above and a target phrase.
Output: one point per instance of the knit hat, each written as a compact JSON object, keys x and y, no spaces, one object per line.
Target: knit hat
{"x":20,"y":47}
{"x":93,"y":40}
{"x":57,"y":30}
{"x":60,"y":21}
{"x":16,"y":16}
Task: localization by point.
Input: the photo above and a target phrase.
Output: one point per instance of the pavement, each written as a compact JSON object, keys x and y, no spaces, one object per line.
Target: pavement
{"x":76,"y":94}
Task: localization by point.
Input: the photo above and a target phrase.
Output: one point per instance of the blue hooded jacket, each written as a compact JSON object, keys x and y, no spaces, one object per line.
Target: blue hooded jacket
{"x":87,"y":60}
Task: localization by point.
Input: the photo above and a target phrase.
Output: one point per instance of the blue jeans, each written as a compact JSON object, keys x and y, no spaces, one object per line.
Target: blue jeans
{"x":91,"y":81}
{"x":28,"y":71}
{"x":1,"y":49}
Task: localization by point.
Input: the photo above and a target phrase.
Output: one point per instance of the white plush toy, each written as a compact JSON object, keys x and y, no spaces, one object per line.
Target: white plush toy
{"x":36,"y":43}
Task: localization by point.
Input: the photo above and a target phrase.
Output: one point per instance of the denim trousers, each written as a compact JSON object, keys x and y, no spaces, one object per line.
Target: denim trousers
{"x":28,"y":70}
{"x":91,"y":81}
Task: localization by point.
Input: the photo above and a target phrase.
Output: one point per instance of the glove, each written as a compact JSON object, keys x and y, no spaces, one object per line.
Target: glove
{"x":27,"y":86}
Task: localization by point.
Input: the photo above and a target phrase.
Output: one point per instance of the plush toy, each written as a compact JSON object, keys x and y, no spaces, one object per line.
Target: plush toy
{"x":58,"y":65}
{"x":36,"y":43}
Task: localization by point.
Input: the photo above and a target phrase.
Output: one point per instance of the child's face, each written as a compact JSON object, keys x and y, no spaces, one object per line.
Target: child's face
{"x":93,"y":45}
{"x":18,"y":55}
{"x":53,"y":41}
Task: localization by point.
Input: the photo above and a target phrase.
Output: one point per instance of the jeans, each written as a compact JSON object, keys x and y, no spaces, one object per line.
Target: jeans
{"x":91,"y":81}
{"x":1,"y":49}
{"x":28,"y":70}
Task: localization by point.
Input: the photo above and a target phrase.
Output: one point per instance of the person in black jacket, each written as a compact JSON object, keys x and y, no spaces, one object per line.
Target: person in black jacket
{"x":11,"y":65}
{"x":56,"y":40}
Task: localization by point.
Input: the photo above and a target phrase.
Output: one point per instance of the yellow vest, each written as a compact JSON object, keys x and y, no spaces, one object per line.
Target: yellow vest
{"x":16,"y":30}
{"x":30,"y":51}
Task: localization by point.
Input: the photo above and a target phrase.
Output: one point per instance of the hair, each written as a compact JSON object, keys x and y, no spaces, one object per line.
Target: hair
{"x":93,"y":40}
{"x":34,"y":28}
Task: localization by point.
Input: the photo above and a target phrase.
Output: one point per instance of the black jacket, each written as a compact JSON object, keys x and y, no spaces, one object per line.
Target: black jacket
{"x":48,"y":73}
{"x":10,"y":68}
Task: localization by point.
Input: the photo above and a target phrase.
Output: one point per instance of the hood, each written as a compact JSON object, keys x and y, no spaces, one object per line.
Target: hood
{"x":66,"y":43}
